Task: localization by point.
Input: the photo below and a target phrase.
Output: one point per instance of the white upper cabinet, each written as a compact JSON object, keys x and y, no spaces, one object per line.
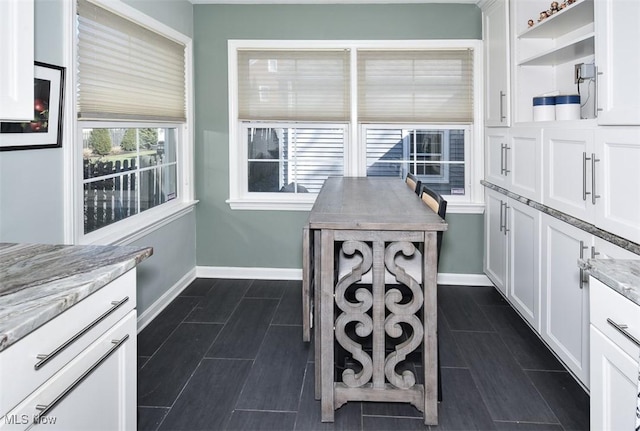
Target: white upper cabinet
{"x":618,"y":61}
{"x":16,"y":67}
{"x":495,"y":16}
{"x":617,"y":181}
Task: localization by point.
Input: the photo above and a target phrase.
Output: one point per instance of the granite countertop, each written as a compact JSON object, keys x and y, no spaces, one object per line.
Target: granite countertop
{"x":622,"y":275}
{"x":40,"y":281}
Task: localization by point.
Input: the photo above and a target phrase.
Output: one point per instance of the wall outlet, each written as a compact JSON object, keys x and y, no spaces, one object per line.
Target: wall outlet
{"x":584,"y":71}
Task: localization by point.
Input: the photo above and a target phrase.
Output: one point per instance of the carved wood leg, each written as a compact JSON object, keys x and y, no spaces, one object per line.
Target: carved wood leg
{"x":326,"y":325}
{"x":430,"y":359}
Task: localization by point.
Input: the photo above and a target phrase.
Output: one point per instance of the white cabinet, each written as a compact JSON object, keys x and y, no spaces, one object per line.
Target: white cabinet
{"x":565,"y":296}
{"x":567,"y":170}
{"x":614,"y":358}
{"x":617,"y":181}
{"x":495,"y":19}
{"x":495,"y":260}
{"x":618,"y":61}
{"x":79,"y":368}
{"x":496,"y":140}
{"x":513,"y":159}
{"x":523,"y":231}
{"x":16,"y":67}
{"x":512,"y":255}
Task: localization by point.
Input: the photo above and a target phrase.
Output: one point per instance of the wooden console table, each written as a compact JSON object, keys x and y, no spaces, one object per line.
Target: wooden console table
{"x":374,"y":218}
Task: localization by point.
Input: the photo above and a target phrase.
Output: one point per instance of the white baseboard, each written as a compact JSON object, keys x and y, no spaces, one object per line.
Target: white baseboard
{"x":150,"y":313}
{"x":296,"y":274}
{"x":249,"y":273}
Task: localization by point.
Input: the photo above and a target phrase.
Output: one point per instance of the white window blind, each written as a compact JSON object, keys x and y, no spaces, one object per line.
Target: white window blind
{"x":284,"y":85}
{"x":430,"y":86}
{"x":126,"y":71}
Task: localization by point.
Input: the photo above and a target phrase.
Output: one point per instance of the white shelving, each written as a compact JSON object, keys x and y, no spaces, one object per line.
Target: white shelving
{"x":572,"y":50}
{"x":567,"y":20}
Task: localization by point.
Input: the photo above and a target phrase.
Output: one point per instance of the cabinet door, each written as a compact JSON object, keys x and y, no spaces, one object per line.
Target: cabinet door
{"x":567,"y":171}
{"x":495,"y":239}
{"x":496,"y":37}
{"x":524,"y":261}
{"x":524,"y":164}
{"x":495,"y":147}
{"x":16,"y":68}
{"x":618,"y":61}
{"x":618,"y":182}
{"x":614,"y":386}
{"x":565,"y":296}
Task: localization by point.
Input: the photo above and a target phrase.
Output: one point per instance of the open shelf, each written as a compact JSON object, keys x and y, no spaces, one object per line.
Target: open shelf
{"x":567,"y":20}
{"x":572,"y":50}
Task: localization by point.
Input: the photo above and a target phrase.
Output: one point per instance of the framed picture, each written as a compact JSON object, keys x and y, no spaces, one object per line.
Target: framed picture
{"x":45,"y":130}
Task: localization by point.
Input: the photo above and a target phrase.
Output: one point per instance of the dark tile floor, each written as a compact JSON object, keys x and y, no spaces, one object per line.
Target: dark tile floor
{"x":228,"y":355}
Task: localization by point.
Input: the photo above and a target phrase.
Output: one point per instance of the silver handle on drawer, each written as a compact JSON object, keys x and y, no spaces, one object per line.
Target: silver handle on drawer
{"x":502,"y":151}
{"x":622,"y":329}
{"x":506,"y":159}
{"x":506,"y":217}
{"x":45,"y":408}
{"x":594,"y":196}
{"x":44,"y":358}
{"x":502,"y":96}
{"x":501,"y":226}
{"x":584,"y":176}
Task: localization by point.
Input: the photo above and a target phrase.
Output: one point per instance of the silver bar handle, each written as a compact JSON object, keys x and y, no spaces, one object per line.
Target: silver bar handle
{"x":594,"y":253}
{"x":622,"y":329}
{"x":502,"y":96}
{"x":506,"y":159}
{"x":501,"y":227}
{"x":582,"y":249}
{"x":502,"y":168}
{"x":46,"y":408}
{"x":594,"y":196}
{"x":506,"y":217}
{"x":584,"y":176}
{"x":44,"y":358}
{"x":596,"y":102}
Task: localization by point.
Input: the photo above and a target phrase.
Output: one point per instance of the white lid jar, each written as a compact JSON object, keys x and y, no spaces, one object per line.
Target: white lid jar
{"x":568,"y":107}
{"x":544,"y":108}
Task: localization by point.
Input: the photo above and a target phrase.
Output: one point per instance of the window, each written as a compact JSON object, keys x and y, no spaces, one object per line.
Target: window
{"x":301,"y":111}
{"x":131,"y":104}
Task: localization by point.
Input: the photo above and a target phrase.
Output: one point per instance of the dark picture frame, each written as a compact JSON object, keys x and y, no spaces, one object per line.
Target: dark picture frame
{"x":45,"y":130}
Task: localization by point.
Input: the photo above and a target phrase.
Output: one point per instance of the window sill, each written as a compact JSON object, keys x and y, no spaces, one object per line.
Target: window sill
{"x":136,"y":227}
{"x":299,"y":205}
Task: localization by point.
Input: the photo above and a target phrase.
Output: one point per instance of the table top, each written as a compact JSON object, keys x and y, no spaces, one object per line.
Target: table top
{"x":371,"y":203}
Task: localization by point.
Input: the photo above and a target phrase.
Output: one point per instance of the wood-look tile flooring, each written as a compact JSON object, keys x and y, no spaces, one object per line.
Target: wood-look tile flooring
{"x":228,"y":355}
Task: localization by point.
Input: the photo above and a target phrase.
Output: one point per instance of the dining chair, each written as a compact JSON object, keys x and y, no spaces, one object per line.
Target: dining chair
{"x":413,"y":183}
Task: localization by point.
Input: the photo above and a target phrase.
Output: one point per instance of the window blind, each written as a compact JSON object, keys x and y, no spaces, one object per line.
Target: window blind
{"x":126,"y":71}
{"x":430,"y":86}
{"x":284,"y":85}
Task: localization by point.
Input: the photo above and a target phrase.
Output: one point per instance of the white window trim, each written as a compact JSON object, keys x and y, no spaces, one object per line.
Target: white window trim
{"x":135,"y":227}
{"x":355,"y":154}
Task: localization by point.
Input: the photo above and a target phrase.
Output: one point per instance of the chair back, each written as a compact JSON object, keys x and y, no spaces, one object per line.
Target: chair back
{"x":413,"y":183}
{"x":439,"y":206}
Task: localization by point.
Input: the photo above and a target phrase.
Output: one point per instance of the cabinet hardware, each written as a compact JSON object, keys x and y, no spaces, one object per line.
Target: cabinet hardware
{"x":506,"y":217}
{"x":45,"y":408}
{"x":594,"y":196}
{"x":502,"y":167}
{"x":502,"y":96}
{"x":596,"y":101}
{"x":506,"y":159}
{"x":623,"y":330}
{"x":44,"y":358}
{"x":594,"y":253}
{"x":582,"y":274}
{"x":501,"y":215}
{"x":584,"y":176}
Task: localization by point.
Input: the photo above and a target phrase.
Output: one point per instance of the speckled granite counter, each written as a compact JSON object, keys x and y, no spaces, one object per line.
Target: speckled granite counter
{"x":621,"y":275}
{"x":38,"y":282}
{"x":580,"y":224}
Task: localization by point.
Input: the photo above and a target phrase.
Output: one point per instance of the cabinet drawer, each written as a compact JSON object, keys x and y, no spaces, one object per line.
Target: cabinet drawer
{"x":608,"y":309}
{"x":86,"y":393}
{"x":23,"y":366}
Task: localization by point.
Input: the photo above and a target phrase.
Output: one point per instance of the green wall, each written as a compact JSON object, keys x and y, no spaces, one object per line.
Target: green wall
{"x":272,"y":239}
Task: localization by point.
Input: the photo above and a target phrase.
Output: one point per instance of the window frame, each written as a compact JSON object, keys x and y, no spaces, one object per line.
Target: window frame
{"x":137,"y":226}
{"x":355,"y":150}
